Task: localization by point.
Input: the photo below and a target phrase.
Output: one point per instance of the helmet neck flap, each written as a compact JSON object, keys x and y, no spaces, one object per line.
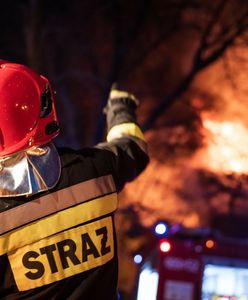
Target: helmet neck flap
{"x":30,"y":172}
{"x":29,"y":162}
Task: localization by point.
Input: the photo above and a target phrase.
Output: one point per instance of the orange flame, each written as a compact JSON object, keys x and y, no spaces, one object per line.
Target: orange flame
{"x":226,"y":146}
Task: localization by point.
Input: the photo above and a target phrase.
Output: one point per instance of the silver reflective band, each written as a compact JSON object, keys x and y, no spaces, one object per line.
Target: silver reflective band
{"x":29,"y":172}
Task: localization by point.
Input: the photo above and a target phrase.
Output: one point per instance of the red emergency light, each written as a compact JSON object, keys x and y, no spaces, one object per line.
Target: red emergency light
{"x":210,"y":244}
{"x":165,"y":246}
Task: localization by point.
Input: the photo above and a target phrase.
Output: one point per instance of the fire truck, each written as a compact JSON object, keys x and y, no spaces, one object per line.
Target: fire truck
{"x":195,"y":264}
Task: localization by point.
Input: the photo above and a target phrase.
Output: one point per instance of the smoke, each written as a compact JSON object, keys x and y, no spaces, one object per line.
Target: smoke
{"x":200,"y":152}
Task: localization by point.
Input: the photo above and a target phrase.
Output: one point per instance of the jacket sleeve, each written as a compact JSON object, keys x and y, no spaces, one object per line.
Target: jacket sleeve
{"x":125,"y":143}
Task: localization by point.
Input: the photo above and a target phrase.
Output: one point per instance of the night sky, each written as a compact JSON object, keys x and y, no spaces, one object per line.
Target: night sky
{"x":186,"y":61}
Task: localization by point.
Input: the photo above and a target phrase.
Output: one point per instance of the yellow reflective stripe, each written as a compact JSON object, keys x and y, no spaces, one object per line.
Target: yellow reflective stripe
{"x":57,"y":222}
{"x":63,"y":255}
{"x":125,"y":129}
{"x":59,"y":200}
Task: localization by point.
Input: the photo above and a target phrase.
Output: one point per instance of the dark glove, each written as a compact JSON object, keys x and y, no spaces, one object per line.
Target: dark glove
{"x":117,"y":95}
{"x":121,"y":107}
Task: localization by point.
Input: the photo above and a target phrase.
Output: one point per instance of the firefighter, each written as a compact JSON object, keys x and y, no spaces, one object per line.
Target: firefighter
{"x":57,"y":232}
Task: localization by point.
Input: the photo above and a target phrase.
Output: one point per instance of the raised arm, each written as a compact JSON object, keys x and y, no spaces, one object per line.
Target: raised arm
{"x":125,"y":140}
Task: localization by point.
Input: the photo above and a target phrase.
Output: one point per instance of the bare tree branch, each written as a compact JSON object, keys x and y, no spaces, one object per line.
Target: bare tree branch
{"x":122,"y":45}
{"x":200,"y":62}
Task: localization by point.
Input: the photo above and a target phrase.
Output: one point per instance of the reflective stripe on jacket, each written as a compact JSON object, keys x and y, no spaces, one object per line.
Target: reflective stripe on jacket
{"x":61,"y":244}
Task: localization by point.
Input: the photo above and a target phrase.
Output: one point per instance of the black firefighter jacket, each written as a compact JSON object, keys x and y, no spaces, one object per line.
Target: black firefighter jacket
{"x":61,"y":244}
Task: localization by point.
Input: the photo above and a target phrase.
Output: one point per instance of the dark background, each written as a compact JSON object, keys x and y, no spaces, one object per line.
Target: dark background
{"x":184,"y":60}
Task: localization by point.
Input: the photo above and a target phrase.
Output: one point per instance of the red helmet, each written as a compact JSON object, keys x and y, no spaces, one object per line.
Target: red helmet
{"x":27,"y":111}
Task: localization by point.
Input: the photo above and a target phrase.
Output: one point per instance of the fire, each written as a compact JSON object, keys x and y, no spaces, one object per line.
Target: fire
{"x":226,"y":146}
